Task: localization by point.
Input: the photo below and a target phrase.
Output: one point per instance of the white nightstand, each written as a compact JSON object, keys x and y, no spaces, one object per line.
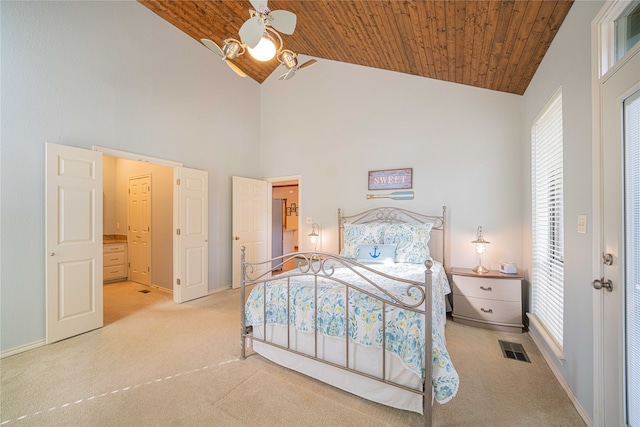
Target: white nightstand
{"x":492,"y":300}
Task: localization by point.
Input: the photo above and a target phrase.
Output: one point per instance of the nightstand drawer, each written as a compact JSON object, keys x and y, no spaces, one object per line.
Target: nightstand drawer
{"x":487,"y":310}
{"x":489,"y":288}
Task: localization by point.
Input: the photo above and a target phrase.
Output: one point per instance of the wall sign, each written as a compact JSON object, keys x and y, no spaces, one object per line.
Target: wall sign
{"x":391,"y":179}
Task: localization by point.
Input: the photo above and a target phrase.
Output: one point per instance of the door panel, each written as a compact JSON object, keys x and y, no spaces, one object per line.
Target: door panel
{"x":73,"y":241}
{"x":191,"y":267}
{"x":139,"y":235}
{"x":251,"y":218}
{"x":618,"y":87}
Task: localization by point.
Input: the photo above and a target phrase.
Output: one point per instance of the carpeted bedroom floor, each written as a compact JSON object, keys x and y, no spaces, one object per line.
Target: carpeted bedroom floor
{"x":156,"y":363}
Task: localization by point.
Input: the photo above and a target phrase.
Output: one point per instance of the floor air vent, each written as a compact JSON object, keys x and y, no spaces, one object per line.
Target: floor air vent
{"x":512,"y":350}
{"x":145,"y":291}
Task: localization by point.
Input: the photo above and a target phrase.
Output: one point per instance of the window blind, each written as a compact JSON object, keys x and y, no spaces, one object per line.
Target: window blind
{"x":547,"y":273}
{"x":632,"y":255}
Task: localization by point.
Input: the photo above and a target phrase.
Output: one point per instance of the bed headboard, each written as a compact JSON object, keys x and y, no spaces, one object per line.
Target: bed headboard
{"x":391,"y":215}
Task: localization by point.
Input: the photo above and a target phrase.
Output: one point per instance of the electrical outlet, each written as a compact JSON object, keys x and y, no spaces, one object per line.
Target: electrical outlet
{"x":309,"y":220}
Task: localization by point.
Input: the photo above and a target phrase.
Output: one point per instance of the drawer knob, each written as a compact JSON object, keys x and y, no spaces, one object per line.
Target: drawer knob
{"x":486,"y":289}
{"x":490,"y":311}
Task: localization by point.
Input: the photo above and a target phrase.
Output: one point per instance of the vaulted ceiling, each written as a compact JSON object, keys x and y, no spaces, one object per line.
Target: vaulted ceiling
{"x":492,"y":44}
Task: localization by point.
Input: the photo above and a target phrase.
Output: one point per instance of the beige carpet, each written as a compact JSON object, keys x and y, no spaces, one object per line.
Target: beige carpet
{"x":156,"y":363}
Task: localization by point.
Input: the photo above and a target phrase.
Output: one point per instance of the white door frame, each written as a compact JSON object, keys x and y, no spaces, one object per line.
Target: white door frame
{"x":602,"y":62}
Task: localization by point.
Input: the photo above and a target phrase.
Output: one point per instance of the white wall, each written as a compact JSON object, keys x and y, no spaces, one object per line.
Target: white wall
{"x":568,"y":64}
{"x":334,"y":122}
{"x":111,"y":74}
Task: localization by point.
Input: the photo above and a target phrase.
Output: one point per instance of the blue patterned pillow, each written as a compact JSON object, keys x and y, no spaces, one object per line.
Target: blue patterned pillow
{"x":361,"y":234}
{"x":412,"y":240}
{"x":378,"y":254}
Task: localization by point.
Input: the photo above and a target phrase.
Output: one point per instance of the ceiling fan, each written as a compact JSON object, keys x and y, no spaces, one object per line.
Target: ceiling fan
{"x":260,"y":36}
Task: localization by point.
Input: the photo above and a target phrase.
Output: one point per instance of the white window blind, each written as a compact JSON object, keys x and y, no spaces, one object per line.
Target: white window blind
{"x":632,"y":255}
{"x":547,"y":275}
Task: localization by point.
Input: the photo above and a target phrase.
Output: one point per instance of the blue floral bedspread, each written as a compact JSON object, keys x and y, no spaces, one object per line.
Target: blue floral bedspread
{"x":404,"y":328}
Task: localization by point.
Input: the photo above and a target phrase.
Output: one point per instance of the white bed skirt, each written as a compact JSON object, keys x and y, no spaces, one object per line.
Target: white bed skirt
{"x":363,"y":359}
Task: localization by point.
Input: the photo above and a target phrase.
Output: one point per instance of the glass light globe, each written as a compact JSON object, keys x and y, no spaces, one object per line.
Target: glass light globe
{"x":265,"y":50}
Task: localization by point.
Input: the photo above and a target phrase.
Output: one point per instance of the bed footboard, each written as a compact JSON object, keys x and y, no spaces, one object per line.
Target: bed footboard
{"x":319,"y":269}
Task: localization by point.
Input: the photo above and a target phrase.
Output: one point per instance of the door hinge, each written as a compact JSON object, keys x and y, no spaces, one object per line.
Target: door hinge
{"x":148,"y":228}
{"x":178,"y":181}
{"x":129,"y":227}
{"x":177,"y":281}
{"x":178,"y":231}
{"x":129,"y":265}
{"x":129,"y":191}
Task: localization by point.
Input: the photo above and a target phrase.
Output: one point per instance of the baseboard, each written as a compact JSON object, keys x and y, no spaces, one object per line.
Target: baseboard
{"x":547,"y":358}
{"x":22,"y":349}
{"x":161,"y":288}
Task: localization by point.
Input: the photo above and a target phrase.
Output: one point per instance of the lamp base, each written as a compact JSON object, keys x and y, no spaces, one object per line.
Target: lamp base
{"x":480,"y":270}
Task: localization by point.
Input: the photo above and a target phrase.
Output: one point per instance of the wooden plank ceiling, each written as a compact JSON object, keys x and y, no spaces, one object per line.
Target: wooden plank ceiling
{"x":492,"y":44}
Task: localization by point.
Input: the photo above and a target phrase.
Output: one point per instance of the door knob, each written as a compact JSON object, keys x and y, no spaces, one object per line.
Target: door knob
{"x":52,"y":254}
{"x":236,"y":238}
{"x":603,"y":283}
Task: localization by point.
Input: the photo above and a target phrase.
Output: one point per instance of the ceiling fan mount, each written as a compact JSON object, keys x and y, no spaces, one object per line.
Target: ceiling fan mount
{"x":262,"y":28}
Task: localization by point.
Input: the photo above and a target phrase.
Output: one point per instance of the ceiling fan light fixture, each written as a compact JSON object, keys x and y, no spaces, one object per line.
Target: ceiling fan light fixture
{"x":265,"y":50}
{"x":232,"y":49}
{"x":288,"y":59}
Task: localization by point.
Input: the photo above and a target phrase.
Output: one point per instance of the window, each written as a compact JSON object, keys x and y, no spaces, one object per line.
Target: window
{"x":547,"y":274}
{"x":627,"y":29}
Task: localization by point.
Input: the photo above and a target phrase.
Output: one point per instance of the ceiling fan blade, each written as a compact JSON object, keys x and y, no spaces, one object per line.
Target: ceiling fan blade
{"x":259,"y":5}
{"x":283,"y":21}
{"x":251,"y":31}
{"x":288,"y":74}
{"x":307,"y":64}
{"x":235,"y":68}
{"x":212,"y":47}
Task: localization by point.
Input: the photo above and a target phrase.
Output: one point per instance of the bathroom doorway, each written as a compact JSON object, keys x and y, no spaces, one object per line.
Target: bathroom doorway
{"x":285,"y":219}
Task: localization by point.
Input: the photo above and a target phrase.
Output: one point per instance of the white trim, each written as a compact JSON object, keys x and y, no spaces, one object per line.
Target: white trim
{"x":576,"y":403}
{"x":22,"y":348}
{"x":538,"y":327}
{"x":138,"y":157}
{"x":596,"y":213}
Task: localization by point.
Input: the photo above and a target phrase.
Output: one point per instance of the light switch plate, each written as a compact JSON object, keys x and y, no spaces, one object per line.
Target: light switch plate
{"x":582,"y":224}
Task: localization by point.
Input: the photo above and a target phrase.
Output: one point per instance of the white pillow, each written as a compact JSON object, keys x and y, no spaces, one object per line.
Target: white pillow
{"x":361,"y":234}
{"x":412,"y":240}
{"x":378,"y":254}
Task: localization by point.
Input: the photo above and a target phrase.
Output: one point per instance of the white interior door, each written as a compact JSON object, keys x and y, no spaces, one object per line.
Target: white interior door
{"x":139,"y":230}
{"x":191,"y":269}
{"x":73,"y":241}
{"x":621,"y":316}
{"x":251,"y":218}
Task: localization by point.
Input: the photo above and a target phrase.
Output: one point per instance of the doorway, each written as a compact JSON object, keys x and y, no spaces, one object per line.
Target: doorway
{"x":616,"y":209}
{"x":131,"y":215}
{"x":75,"y":236}
{"x":285,"y":196}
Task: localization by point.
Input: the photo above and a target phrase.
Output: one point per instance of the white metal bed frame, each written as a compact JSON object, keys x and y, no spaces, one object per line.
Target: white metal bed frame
{"x":321,"y":265}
